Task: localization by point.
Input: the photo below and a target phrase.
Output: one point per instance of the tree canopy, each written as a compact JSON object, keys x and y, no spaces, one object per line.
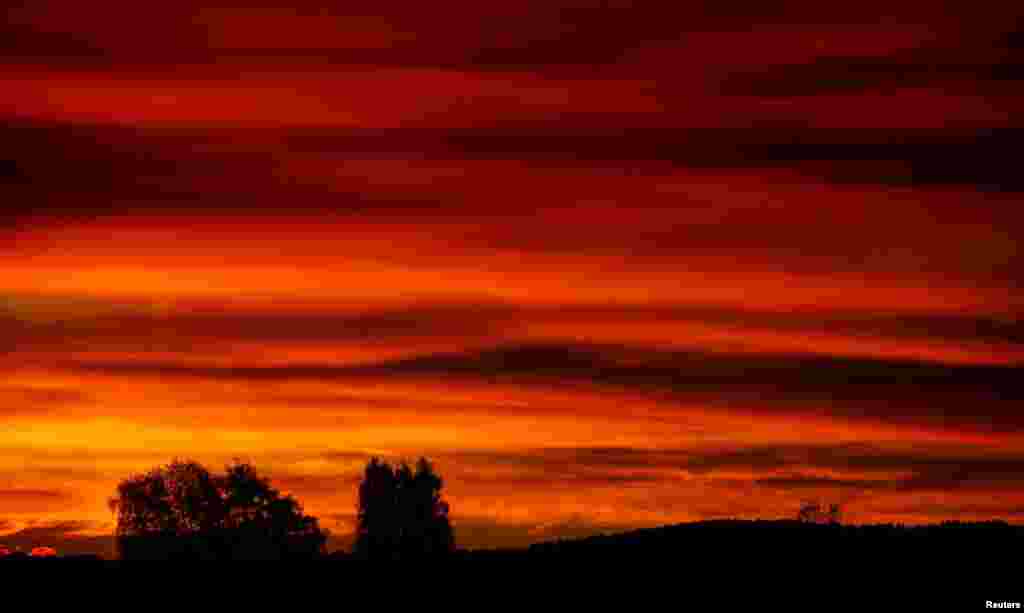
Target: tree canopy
{"x":401,"y":512}
{"x":183,"y":500}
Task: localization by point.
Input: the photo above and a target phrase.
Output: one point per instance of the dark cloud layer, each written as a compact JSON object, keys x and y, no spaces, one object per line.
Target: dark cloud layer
{"x":171,"y":170}
{"x":63,"y":537}
{"x":23,"y":400}
{"x":22,"y":494}
{"x":889,"y":391}
{"x":526,"y":34}
{"x":778,"y":466}
{"x":35,"y":322}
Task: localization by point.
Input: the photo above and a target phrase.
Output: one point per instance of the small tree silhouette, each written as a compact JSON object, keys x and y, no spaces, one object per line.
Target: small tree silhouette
{"x":401,"y":512}
{"x":816,"y":513}
{"x":181,"y":510}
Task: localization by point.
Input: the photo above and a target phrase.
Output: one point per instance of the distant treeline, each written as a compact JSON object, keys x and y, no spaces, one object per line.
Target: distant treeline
{"x":183,"y":511}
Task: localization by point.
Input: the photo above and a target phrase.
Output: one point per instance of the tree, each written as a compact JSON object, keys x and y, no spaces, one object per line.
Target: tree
{"x":180,"y":498}
{"x":401,"y":512}
{"x":182,"y":510}
{"x":816,"y":513}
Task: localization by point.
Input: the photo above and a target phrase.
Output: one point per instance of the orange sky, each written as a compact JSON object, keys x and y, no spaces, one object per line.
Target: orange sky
{"x":610,"y":268}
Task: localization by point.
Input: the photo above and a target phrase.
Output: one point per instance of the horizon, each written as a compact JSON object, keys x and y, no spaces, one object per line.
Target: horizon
{"x":105,"y":546}
{"x":610,"y":266}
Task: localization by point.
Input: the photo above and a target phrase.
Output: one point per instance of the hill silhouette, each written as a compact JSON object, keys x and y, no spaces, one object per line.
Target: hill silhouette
{"x":756,"y":538}
{"x":758,"y":542}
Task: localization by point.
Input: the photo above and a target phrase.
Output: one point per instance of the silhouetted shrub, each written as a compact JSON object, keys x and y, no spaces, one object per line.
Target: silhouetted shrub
{"x":181,"y":511}
{"x":401,"y":513}
{"x":817,"y":513}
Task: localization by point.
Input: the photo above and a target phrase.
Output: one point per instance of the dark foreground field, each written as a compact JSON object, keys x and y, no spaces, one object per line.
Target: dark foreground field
{"x":737,"y":542}
{"x":764,"y":543}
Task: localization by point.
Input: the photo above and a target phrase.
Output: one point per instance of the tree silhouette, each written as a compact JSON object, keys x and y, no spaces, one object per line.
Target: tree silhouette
{"x":402,"y":513}
{"x":180,"y":498}
{"x":182,"y":510}
{"x":816,"y":513}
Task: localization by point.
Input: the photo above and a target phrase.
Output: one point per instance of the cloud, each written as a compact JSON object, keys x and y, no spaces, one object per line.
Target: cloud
{"x":54,"y":323}
{"x":518,"y":224}
{"x":29,"y":499}
{"x":487,"y":533}
{"x":573,"y":527}
{"x":62,"y":536}
{"x":22,"y":493}
{"x":892,"y":391}
{"x":784,"y":466}
{"x":198,"y":170}
{"x":34,"y":401}
{"x":61,"y":325}
{"x":939,"y":62}
{"x":316,"y":485}
{"x":528,"y":34}
{"x":55,"y":529}
{"x":43,"y":552}
{"x":981,"y":511}
{"x":726,"y":202}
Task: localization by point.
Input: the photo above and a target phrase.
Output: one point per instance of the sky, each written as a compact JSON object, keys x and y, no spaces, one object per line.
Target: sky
{"x":609,"y":264}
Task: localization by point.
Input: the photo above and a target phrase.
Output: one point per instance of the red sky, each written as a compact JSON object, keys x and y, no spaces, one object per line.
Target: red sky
{"x":610,"y":265}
